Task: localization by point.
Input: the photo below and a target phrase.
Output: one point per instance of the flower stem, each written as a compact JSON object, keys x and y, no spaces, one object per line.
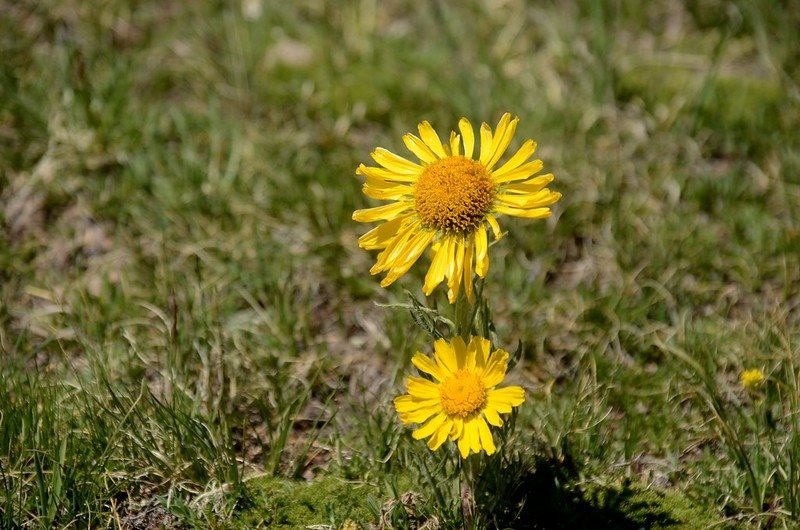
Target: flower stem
{"x":464,"y":317}
{"x":470,"y":473}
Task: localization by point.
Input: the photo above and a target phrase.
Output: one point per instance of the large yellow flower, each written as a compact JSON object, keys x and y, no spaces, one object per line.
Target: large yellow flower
{"x":462,"y":398}
{"x":446,"y":201}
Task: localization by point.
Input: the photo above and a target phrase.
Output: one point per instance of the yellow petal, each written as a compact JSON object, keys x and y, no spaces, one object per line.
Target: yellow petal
{"x":407,"y":403}
{"x":529,"y":186}
{"x":418,"y":147}
{"x":458,"y":428}
{"x":513,"y":395}
{"x":419,"y":415}
{"x":535,"y":213}
{"x":455,"y":272}
{"x":473,"y":434}
{"x":468,"y":135}
{"x":497,"y":406}
{"x":387,"y":191}
{"x":472,"y":354}
{"x":460,"y":349}
{"x":394,"y":249}
{"x":381,"y":213}
{"x":452,"y":243}
{"x":445,"y":356}
{"x":495,"y":227}
{"x":486,"y":436}
{"x":481,"y":252}
{"x":463,"y":444}
{"x":427,"y":365}
{"x":506,"y":128}
{"x":379,"y":182}
{"x":482,"y":347}
{"x":495,"y":370}
{"x":469,"y":256}
{"x":420,"y":388}
{"x":486,"y":143}
{"x":440,"y":435}
{"x":430,"y":427}
{"x":496,"y":358}
{"x":438,"y":267}
{"x":543,"y":197}
{"x":411,"y":253}
{"x":522,"y":154}
{"x":382,"y":235}
{"x":399,"y":250}
{"x":386,"y":174}
{"x":492,"y":416}
{"x":455,"y":143}
{"x":504,"y":399}
{"x":395,"y":163}
{"x":522,"y":172}
{"x":431,"y":139}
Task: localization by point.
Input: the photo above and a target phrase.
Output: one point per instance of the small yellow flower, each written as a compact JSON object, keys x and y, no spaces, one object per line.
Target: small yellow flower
{"x":447,"y":200}
{"x":348,"y":525}
{"x":750,"y":379}
{"x":463,"y":397}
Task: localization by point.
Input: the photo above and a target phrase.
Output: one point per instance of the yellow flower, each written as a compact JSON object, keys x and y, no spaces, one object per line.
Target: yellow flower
{"x":463,"y":397}
{"x":446,"y":201}
{"x":750,"y":379}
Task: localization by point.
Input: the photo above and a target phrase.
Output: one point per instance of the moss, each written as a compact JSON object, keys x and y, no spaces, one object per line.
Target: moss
{"x":547,"y":495}
{"x":651,"y":508}
{"x":278,"y":503}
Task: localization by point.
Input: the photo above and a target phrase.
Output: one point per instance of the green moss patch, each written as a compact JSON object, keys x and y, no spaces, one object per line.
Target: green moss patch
{"x":278,"y":503}
{"x":549,"y":495}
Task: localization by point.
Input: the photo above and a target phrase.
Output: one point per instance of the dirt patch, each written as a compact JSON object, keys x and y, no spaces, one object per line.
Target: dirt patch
{"x":150,"y":516}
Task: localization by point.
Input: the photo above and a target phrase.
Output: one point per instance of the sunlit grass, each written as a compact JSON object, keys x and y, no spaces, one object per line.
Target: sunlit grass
{"x":184,"y":308}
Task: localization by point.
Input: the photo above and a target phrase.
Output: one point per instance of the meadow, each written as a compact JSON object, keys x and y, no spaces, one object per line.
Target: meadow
{"x":189,"y":333}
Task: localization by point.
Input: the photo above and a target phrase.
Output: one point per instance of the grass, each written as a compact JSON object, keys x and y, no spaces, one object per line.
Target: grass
{"x":188,"y":331}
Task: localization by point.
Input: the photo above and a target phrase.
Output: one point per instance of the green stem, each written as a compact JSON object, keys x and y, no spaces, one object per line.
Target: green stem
{"x":467,"y":492}
{"x":463,"y":318}
{"x":473,"y":317}
{"x":470,"y":472}
{"x":480,"y":308}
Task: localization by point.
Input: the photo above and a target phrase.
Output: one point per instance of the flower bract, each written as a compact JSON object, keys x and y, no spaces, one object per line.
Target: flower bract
{"x":461,"y":400}
{"x":448,"y":199}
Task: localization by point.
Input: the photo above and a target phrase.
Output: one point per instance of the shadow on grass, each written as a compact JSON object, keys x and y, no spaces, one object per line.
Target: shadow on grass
{"x":544,"y":496}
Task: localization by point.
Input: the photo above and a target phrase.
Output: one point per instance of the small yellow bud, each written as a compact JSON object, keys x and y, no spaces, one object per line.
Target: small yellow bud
{"x":750,"y":379}
{"x":348,"y":525}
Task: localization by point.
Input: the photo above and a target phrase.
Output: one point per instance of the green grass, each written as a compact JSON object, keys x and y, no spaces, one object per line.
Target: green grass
{"x":189,"y":333}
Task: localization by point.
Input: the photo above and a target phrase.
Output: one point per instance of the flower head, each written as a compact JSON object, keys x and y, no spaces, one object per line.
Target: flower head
{"x":462,"y":398}
{"x":750,"y":379}
{"x":446,"y":201}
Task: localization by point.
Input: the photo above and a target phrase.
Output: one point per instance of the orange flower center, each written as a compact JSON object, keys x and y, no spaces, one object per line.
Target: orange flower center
{"x":454,"y":194}
{"x":462,"y":394}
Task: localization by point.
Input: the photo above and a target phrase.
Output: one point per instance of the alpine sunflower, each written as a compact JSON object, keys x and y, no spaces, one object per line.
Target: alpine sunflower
{"x":462,"y":398}
{"x":446,"y":201}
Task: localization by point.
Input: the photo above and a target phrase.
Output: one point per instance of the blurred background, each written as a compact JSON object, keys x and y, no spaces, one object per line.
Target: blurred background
{"x":183,"y":302}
